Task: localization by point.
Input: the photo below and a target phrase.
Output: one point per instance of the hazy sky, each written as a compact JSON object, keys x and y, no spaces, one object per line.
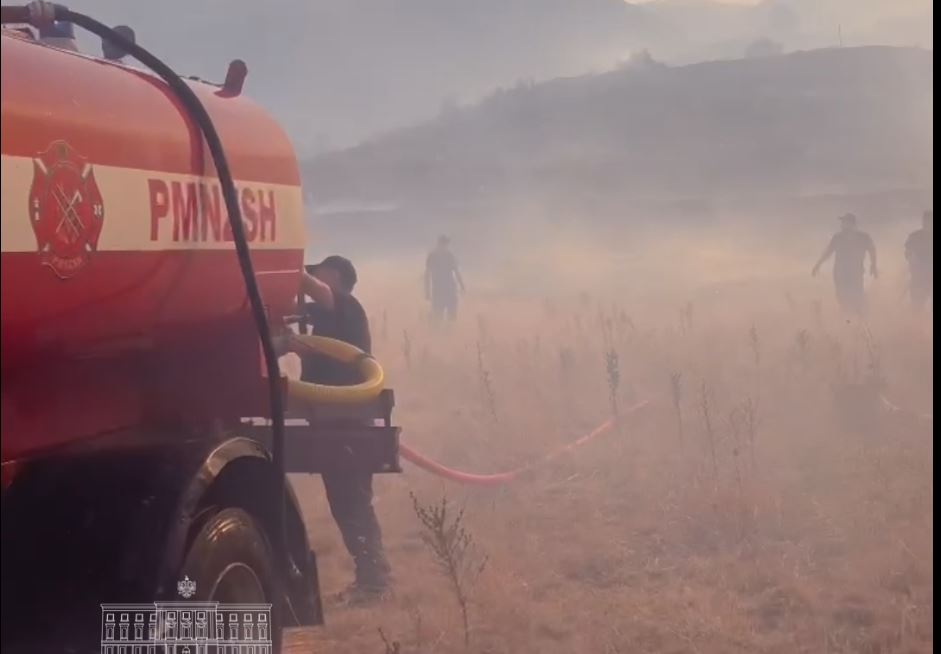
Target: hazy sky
{"x":335,"y":72}
{"x":723,"y":2}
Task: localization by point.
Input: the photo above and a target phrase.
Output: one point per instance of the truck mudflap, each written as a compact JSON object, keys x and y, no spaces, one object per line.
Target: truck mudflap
{"x":109,"y":521}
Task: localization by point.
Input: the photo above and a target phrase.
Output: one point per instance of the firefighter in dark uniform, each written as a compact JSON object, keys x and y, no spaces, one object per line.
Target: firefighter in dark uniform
{"x":849,"y":247}
{"x":335,"y":313}
{"x":919,"y":252}
{"x":442,"y":280}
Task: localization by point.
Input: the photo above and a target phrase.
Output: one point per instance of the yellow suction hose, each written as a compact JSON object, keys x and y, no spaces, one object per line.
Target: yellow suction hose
{"x":308,"y":393}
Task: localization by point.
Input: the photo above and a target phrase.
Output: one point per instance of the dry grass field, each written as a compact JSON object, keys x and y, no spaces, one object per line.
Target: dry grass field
{"x":766,"y":500}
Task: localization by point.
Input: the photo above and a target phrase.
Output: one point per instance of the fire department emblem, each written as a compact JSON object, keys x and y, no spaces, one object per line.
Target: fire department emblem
{"x":186,"y":588}
{"x":65,"y":209}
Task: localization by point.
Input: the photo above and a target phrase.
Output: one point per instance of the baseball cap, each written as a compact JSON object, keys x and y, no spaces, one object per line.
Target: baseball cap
{"x":848,"y":218}
{"x":341,"y":265}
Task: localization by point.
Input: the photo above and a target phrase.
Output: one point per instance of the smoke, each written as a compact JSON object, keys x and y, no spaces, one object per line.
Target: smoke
{"x":335,"y":72}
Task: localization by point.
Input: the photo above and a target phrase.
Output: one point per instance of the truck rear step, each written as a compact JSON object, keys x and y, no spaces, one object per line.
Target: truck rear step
{"x":338,"y":438}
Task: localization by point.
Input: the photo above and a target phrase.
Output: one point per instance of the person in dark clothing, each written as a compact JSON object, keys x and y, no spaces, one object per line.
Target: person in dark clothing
{"x":442,"y":280}
{"x":335,"y":313}
{"x":849,"y":247}
{"x":919,"y":251}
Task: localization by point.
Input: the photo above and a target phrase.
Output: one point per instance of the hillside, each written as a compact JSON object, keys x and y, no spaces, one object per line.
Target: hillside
{"x":367,"y":66}
{"x":836,"y":123}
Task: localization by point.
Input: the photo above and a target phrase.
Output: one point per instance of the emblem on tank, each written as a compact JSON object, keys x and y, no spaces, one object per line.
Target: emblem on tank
{"x":65,"y":209}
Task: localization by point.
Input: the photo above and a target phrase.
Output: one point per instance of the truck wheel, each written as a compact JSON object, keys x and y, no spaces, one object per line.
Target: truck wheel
{"x":231,"y":562}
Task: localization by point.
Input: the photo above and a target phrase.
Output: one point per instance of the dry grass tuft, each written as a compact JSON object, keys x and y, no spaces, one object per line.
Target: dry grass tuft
{"x":454,"y":552}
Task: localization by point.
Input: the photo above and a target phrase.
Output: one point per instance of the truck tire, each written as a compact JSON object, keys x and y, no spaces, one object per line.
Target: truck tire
{"x":230,"y":560}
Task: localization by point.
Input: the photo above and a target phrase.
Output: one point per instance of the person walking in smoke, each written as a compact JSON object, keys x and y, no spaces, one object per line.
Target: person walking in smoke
{"x":335,"y":313}
{"x":919,"y":252}
{"x":849,"y":247}
{"x":442,"y":280}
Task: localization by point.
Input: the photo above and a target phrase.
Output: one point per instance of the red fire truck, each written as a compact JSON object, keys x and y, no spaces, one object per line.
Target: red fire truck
{"x":152,"y":245}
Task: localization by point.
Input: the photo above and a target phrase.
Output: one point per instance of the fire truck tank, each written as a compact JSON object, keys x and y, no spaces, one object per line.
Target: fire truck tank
{"x":121,"y":298}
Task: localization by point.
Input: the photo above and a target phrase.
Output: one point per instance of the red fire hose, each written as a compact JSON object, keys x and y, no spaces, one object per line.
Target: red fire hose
{"x":496,"y":479}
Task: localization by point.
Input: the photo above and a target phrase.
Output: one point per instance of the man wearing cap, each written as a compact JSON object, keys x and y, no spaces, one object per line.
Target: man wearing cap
{"x":442,"y":279}
{"x":919,"y":252}
{"x":849,"y":247}
{"x":335,"y":313}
